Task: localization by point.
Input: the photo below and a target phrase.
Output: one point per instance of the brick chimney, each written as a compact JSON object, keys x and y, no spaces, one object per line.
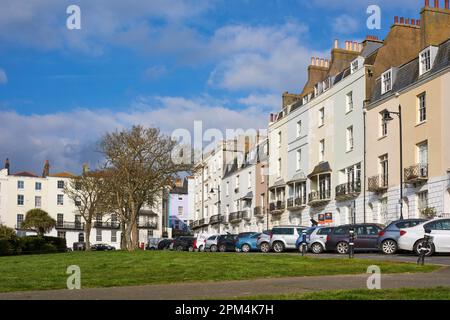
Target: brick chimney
{"x":7,"y":165}
{"x":434,"y":24}
{"x":85,"y":168}
{"x":46,"y":170}
{"x":447,"y":6}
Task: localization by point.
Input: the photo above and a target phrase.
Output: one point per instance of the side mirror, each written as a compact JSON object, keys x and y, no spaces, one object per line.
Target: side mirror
{"x":427,"y":230}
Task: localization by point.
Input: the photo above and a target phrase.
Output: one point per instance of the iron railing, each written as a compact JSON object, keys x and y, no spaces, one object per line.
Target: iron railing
{"x":378,"y":183}
{"x":63,"y":225}
{"x":416,"y":173}
{"x":235,"y":217}
{"x":218,"y":218}
{"x":106,"y":225}
{"x":319,"y":196}
{"x":348,"y":190}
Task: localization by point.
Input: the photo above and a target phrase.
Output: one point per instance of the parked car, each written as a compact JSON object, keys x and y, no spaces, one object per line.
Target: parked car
{"x":388,"y":237}
{"x":165,"y":244}
{"x":246,"y":242}
{"x":366,"y":238}
{"x":285,"y":237}
{"x":316,"y":239}
{"x":226,"y":242}
{"x":102,"y":247}
{"x":263,"y":241}
{"x":184,"y":243}
{"x":79,"y":246}
{"x":211,"y":243}
{"x":152,"y":244}
{"x":201,"y":241}
{"x":412,"y":239}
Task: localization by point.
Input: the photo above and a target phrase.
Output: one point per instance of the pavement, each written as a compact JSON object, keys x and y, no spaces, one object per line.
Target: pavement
{"x":231,"y":289}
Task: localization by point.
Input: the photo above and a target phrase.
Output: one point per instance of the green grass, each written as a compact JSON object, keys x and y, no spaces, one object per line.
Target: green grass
{"x":439,"y":293}
{"x":107,"y":269}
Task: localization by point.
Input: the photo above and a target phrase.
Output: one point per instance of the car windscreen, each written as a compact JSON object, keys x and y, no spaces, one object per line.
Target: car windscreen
{"x":324,"y":231}
{"x":341,"y":230}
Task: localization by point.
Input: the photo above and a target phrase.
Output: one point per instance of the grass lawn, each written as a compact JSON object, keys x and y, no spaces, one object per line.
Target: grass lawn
{"x":107,"y":269}
{"x":439,"y":293}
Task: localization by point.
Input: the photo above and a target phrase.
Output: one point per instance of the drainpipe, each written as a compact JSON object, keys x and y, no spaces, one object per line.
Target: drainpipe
{"x":365,"y":158}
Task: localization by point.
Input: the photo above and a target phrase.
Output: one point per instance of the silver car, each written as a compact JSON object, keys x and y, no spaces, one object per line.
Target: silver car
{"x":211,"y":243}
{"x":318,"y":239}
{"x":263,"y":241}
{"x":285,"y":237}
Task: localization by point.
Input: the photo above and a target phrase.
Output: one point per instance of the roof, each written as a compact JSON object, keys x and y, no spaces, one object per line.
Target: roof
{"x":408,"y":73}
{"x":323,"y":167}
{"x":278,"y":183}
{"x":62,"y":175}
{"x":25,"y":174}
{"x":298,"y":177}
{"x":248,"y":196}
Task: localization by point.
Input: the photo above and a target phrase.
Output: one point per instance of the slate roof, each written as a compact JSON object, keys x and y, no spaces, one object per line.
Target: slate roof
{"x":322,"y":167}
{"x":25,"y":174}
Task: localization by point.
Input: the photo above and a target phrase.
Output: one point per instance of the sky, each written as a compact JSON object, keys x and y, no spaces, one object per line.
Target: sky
{"x":159,"y":63}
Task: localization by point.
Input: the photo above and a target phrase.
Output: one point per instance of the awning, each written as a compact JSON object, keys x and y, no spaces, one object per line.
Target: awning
{"x":323,"y":167}
{"x":298,"y":178}
{"x":248,"y":196}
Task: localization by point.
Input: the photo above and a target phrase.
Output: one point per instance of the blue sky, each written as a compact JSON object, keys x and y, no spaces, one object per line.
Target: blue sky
{"x":158,"y":63}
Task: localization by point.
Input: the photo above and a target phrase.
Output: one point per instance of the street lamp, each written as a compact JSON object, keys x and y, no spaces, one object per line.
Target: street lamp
{"x":387,"y":117}
{"x":213,"y":191}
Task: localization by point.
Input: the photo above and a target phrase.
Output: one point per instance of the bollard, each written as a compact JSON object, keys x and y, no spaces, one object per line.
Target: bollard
{"x":351,"y":243}
{"x":304,"y":243}
{"x":426,"y":247}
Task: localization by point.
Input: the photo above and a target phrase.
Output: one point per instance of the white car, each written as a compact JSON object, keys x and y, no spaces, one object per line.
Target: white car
{"x":412,"y":239}
{"x":211,"y":243}
{"x":201,"y":241}
{"x":318,"y":238}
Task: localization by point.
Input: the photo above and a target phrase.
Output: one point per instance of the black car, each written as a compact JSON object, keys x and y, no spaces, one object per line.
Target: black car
{"x":165,"y":244}
{"x":227,"y":242}
{"x":102,"y":247}
{"x":366,"y":238}
{"x":184,"y":243}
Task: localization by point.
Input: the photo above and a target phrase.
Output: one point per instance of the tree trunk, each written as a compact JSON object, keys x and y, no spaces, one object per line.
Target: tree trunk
{"x":135,"y":235}
{"x":123,"y":240}
{"x":128,"y":237}
{"x":87,"y":231}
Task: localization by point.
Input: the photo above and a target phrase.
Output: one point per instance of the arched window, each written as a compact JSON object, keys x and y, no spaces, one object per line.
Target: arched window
{"x":81,"y":237}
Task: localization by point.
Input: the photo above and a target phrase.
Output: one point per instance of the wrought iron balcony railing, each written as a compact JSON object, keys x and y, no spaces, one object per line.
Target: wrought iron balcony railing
{"x":147,"y":225}
{"x":218,"y":218}
{"x":259,"y":211}
{"x":296,"y":203}
{"x":348,"y":190}
{"x":246,"y":215}
{"x":63,"y":225}
{"x":277,"y":207}
{"x":378,"y":183}
{"x":106,"y":225}
{"x":416,"y":173}
{"x":317,"y":198}
{"x":235,"y":217}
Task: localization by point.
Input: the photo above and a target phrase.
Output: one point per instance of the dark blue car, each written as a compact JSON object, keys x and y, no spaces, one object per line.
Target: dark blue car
{"x":388,"y":237}
{"x":300,"y":238}
{"x":246,"y":241}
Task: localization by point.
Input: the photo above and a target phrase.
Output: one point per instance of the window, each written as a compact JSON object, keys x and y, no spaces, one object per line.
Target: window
{"x":349,"y":102}
{"x":279,"y":139}
{"x":227,"y":188}
{"x":60,"y":199}
{"x":19,"y":220}
{"x":383,"y":124}
{"x":279,"y":167}
{"x":78,"y":202}
{"x":20,"y":184}
{"x":38,"y":186}
{"x":422,"y":108}
{"x":37,"y":202}
{"x":386,"y":81}
{"x":237,"y":182}
{"x":299,"y":128}
{"x":113,"y":236}
{"x":61,"y":234}
{"x":262,"y":174}
{"x":321,"y":117}
{"x":249,"y":179}
{"x":384,"y":208}
{"x":350,"y":138}
{"x":355,"y":66}
{"x":426,"y":59}
{"x":384,"y":170}
{"x":20,"y":199}
{"x":299,"y":159}
{"x":60,"y":219}
{"x":422,"y":153}
{"x":180,"y":210}
{"x":60,"y":184}
{"x":99,"y":235}
{"x":422,"y":200}
{"x":322,"y":150}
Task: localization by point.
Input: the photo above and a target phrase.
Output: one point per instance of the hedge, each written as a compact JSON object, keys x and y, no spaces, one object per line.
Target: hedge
{"x":32,"y":245}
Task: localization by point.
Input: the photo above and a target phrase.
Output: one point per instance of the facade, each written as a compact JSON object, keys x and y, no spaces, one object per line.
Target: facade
{"x":23,"y":191}
{"x":179,"y":207}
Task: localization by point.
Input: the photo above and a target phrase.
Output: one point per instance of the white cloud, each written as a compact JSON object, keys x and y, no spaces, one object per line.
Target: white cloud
{"x":155,"y":72}
{"x":3,"y":77}
{"x":69,"y":139}
{"x":345,"y":24}
{"x":272,"y":101}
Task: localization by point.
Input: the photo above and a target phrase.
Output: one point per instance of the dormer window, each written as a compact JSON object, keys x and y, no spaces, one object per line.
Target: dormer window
{"x":326,"y":84}
{"x":386,"y":81}
{"x":354,"y":65}
{"x":426,"y":59}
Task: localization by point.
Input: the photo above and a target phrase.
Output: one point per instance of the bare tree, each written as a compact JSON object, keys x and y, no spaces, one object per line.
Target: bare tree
{"x":87,"y":191}
{"x":140,"y":165}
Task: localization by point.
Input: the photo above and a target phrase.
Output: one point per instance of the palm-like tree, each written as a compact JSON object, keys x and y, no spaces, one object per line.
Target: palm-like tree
{"x":38,"y":220}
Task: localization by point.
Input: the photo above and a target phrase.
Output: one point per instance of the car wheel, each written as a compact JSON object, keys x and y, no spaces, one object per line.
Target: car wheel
{"x":245,"y":248}
{"x":180,"y":248}
{"x":278,"y":247}
{"x":213,"y":248}
{"x":317,"y":248}
{"x":201,"y":249}
{"x":419,"y":245}
{"x":265,"y":247}
{"x":342,"y":248}
{"x":191,"y":249}
{"x":222,"y":248}
{"x":389,"y":246}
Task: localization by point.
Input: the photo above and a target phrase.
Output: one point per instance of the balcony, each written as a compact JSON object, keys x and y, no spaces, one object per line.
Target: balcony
{"x":259,"y":212}
{"x":193,"y":225}
{"x":246,"y":215}
{"x":63,"y":225}
{"x":348,"y":190}
{"x":319,"y":198}
{"x":277,"y":207}
{"x":106,"y":225}
{"x":378,"y":184}
{"x":235,"y":217}
{"x":296,"y":203}
{"x":150,"y":225}
{"x":416,"y":174}
{"x":202,"y":223}
{"x":216,"y":219}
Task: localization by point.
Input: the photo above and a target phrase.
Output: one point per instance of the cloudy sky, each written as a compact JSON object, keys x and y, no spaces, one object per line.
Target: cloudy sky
{"x":162,"y":63}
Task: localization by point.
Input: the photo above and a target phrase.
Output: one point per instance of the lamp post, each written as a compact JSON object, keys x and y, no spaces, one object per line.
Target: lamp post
{"x":213,"y":190}
{"x":387,"y":117}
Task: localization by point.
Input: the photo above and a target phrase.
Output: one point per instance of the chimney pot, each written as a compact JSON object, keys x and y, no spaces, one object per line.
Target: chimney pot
{"x":336,"y":43}
{"x":317,"y":61}
{"x":402,"y":20}
{"x":396,"y":19}
{"x":313,"y":60}
{"x":322,"y":62}
{"x":418,"y":22}
{"x":327,"y":63}
{"x":355,"y":46}
{"x":7,"y":165}
{"x":427,"y":3}
{"x":413,"y":22}
{"x":407,"y":21}
{"x":436,"y":3}
{"x":447,"y":6}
